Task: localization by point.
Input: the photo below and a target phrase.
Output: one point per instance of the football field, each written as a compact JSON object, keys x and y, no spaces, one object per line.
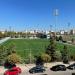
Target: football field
{"x":28,"y":48}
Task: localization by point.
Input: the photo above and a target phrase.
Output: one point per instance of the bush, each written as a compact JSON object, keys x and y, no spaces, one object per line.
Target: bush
{"x":46,"y":58}
{"x":14,"y":58}
{"x":8,"y":65}
{"x":72,"y":57}
{"x":65,"y":56}
{"x":39,"y":61}
{"x":3,"y":54}
{"x":60,"y":38}
{"x":57,"y":38}
{"x":58,"y":56}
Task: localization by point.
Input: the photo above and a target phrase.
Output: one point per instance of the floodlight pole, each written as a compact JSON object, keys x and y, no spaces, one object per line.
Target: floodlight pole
{"x":68,"y":25}
{"x":56,"y":15}
{"x":10,"y":30}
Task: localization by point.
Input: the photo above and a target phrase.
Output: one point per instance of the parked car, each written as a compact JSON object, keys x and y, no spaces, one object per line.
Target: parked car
{"x":13,"y":71}
{"x":58,"y":68}
{"x":37,"y":69}
{"x":71,"y":67}
{"x":73,"y":73}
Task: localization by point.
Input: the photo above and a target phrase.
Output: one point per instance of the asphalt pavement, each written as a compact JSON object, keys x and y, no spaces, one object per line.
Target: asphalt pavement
{"x":49,"y":72}
{"x":25,"y":69}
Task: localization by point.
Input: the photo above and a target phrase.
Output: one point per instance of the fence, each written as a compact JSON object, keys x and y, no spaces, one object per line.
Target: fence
{"x":4,"y":40}
{"x":28,"y":55}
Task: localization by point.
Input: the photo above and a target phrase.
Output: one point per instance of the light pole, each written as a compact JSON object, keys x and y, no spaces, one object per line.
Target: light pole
{"x":69,"y":26}
{"x":50,"y":30}
{"x":56,"y":15}
{"x":9,"y":28}
{"x":10,"y":31}
{"x":50,"y":27}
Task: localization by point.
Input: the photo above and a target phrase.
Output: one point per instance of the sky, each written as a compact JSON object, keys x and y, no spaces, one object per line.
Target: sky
{"x":20,"y":15}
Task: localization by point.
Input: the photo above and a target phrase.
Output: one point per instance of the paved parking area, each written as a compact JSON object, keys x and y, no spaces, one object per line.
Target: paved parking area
{"x":25,"y":70}
{"x":48,"y":72}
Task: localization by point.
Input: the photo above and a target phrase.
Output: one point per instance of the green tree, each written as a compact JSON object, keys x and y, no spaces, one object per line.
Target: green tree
{"x":3,"y":54}
{"x":57,"y":38}
{"x":39,"y":61}
{"x":51,"y":49}
{"x":46,"y":58}
{"x":60,"y":38}
{"x":58,"y":56}
{"x":72,"y":40}
{"x":1,"y":35}
{"x":14,"y":58}
{"x":64,"y":53}
{"x":41,"y":35}
{"x":10,"y":48}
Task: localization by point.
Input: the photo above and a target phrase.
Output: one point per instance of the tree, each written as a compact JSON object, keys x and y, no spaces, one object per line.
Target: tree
{"x":46,"y":58}
{"x":39,"y":61}
{"x":72,"y":57}
{"x":14,"y":58}
{"x":60,"y":38}
{"x":41,"y":35}
{"x":10,"y":48}
{"x":9,"y":65}
{"x":51,"y":49}
{"x":72,"y":40}
{"x":57,"y":38}
{"x":3,"y":54}
{"x":64,"y":53}
{"x":58,"y":56}
{"x":1,"y":35}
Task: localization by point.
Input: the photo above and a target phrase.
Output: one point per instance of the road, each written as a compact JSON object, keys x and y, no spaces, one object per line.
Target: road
{"x":25,"y":69}
{"x":48,"y":72}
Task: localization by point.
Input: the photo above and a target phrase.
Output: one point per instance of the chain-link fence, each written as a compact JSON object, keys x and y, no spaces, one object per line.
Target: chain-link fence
{"x":28,"y":55}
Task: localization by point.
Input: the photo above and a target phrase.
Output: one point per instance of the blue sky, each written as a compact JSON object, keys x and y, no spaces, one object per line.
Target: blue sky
{"x":36,"y":14}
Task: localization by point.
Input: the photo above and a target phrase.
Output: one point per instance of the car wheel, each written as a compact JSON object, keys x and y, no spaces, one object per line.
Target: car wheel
{"x":33,"y":72}
{"x":73,"y":73}
{"x":74,"y":68}
{"x":42,"y":71}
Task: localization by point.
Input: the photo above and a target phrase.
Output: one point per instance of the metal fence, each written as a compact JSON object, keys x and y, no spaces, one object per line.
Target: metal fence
{"x":4,"y":40}
{"x":28,"y":55}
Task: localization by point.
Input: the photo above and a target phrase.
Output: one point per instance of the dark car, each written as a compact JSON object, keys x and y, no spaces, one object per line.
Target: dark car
{"x":58,"y":68}
{"x":37,"y":69}
{"x":71,"y":67}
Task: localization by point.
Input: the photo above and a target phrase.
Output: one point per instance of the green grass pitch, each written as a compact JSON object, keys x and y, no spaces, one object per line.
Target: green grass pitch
{"x":24,"y":47}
